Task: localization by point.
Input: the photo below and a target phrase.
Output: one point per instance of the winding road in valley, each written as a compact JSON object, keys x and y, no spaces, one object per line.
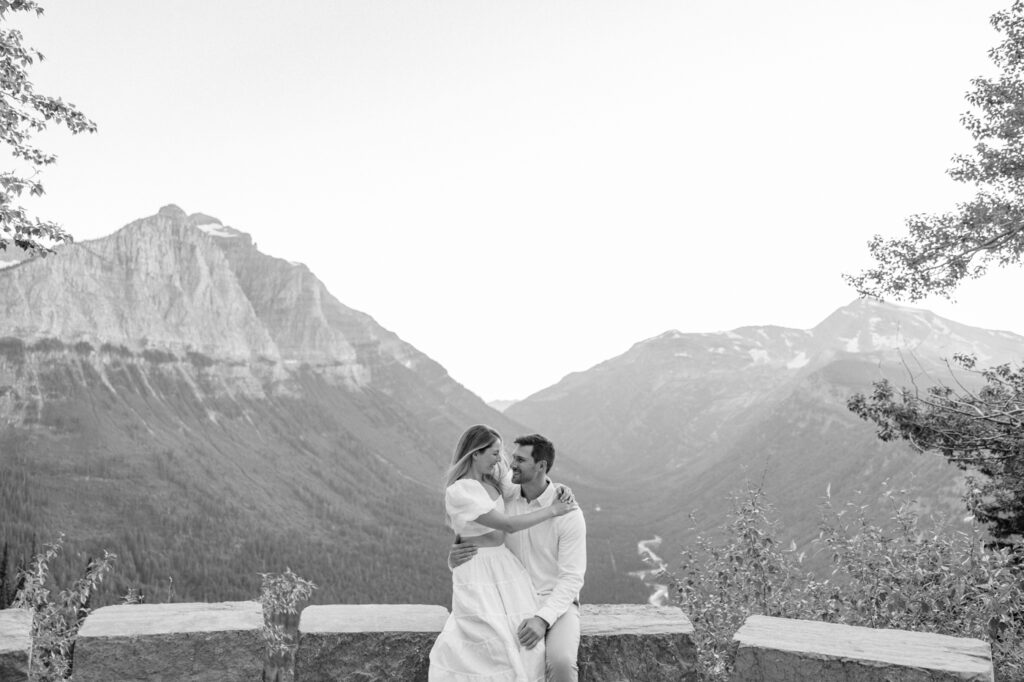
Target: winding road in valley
{"x":645,"y":548}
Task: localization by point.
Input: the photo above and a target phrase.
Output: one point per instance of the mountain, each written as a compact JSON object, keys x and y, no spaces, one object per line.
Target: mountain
{"x":11,"y":256}
{"x":209,"y":412}
{"x":502,"y":405}
{"x":683,"y":421}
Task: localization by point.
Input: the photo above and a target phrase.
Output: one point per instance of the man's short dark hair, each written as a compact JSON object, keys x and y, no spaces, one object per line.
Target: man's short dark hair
{"x":543,"y":449}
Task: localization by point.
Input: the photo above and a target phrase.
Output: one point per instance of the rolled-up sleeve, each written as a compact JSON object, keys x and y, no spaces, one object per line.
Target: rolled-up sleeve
{"x":572,"y":565}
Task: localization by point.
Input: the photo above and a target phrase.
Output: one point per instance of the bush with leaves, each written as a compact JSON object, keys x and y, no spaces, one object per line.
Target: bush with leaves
{"x":913,"y":574}
{"x":280,"y":595}
{"x":980,"y":430}
{"x":56,"y":619}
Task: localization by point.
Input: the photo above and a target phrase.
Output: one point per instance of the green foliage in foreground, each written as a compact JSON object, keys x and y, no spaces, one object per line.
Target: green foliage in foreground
{"x":280,"y":595}
{"x":56,"y":618}
{"x":912,"y":575}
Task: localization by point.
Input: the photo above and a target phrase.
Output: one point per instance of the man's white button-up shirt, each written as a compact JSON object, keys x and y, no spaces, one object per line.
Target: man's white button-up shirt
{"x":554,"y":552}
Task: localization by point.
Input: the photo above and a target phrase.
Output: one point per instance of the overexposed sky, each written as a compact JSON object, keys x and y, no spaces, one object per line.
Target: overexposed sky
{"x":524,"y":189}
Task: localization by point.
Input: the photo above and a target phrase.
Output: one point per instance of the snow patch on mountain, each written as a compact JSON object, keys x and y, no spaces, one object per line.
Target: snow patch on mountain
{"x":8,"y":263}
{"x":886,"y":341}
{"x":758,"y":355}
{"x":799,"y":361}
{"x":217,"y":230}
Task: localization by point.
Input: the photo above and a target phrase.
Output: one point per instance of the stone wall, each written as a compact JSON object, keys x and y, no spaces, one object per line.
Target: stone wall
{"x":791,"y":649}
{"x":15,"y":638}
{"x":619,"y":643}
{"x":141,"y":642}
{"x":370,"y":643}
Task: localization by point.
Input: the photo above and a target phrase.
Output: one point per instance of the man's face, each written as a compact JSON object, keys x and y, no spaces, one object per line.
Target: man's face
{"x":524,"y":469}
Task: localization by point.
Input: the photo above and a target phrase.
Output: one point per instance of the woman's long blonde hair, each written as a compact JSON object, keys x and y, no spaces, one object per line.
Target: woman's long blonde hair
{"x":476,"y":438}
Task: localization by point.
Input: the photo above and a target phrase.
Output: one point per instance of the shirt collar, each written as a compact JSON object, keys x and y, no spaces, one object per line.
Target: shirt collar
{"x":545,"y":498}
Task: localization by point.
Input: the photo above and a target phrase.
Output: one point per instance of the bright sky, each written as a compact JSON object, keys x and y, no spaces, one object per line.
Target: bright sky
{"x":525,"y":189}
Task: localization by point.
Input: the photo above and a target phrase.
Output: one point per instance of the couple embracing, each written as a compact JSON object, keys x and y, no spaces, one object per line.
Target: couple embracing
{"x":517,"y":566}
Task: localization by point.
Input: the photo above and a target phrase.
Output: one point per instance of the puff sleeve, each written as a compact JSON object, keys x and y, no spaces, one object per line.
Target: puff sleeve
{"x":466,"y":500}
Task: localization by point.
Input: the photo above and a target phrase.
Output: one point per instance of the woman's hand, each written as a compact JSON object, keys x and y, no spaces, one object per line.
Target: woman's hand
{"x":560,"y":508}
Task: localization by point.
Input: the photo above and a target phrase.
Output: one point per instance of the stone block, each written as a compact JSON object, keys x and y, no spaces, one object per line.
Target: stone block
{"x":789,"y":649}
{"x":636,"y":643}
{"x":367,"y":642}
{"x":15,"y":644}
{"x":218,"y":642}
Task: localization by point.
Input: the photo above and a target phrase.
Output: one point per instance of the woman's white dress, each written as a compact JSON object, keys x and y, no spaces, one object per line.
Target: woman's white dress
{"x":491,"y":595}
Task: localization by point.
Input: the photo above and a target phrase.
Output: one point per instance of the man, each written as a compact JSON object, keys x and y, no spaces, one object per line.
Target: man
{"x":554,"y":554}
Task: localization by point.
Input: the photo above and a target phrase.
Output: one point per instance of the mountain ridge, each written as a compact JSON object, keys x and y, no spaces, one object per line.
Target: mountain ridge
{"x":202,"y":408}
{"x":685,"y":420}
{"x":825,"y":337}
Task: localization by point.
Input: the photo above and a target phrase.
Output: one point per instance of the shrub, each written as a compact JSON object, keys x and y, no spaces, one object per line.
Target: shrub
{"x":48,"y":345}
{"x":55,"y":622}
{"x":200,"y":360}
{"x":914,"y":575}
{"x":12,"y":348}
{"x":158,"y":357}
{"x":84,"y":348}
{"x":280,"y":595}
{"x":119,"y":350}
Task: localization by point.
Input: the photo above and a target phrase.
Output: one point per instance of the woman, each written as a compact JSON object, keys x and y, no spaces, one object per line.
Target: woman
{"x":491,"y":593}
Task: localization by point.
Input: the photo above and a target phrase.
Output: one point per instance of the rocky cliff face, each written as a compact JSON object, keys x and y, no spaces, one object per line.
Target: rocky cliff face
{"x":188,"y":283}
{"x":157,"y":282}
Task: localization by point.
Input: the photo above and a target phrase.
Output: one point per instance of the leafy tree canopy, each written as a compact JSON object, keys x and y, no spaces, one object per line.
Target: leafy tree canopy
{"x":23,"y":113}
{"x":979,"y":430}
{"x":941,"y":251}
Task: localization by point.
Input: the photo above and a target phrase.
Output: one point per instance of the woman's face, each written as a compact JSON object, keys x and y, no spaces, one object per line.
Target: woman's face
{"x":487,"y":458}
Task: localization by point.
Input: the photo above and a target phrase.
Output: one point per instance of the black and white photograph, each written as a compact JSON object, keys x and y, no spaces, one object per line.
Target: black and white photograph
{"x":540,"y":341}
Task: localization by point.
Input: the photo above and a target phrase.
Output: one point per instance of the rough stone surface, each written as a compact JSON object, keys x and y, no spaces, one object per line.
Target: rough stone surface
{"x":15,"y":641}
{"x":636,"y":643}
{"x":790,"y":649}
{"x":367,"y":642}
{"x":218,"y":642}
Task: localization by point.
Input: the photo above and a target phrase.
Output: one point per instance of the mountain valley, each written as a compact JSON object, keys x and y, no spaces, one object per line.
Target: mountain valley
{"x":210,"y":412}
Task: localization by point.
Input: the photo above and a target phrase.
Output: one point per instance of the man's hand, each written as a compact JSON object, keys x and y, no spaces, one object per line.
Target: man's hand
{"x":460,"y":553}
{"x":531,"y":631}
